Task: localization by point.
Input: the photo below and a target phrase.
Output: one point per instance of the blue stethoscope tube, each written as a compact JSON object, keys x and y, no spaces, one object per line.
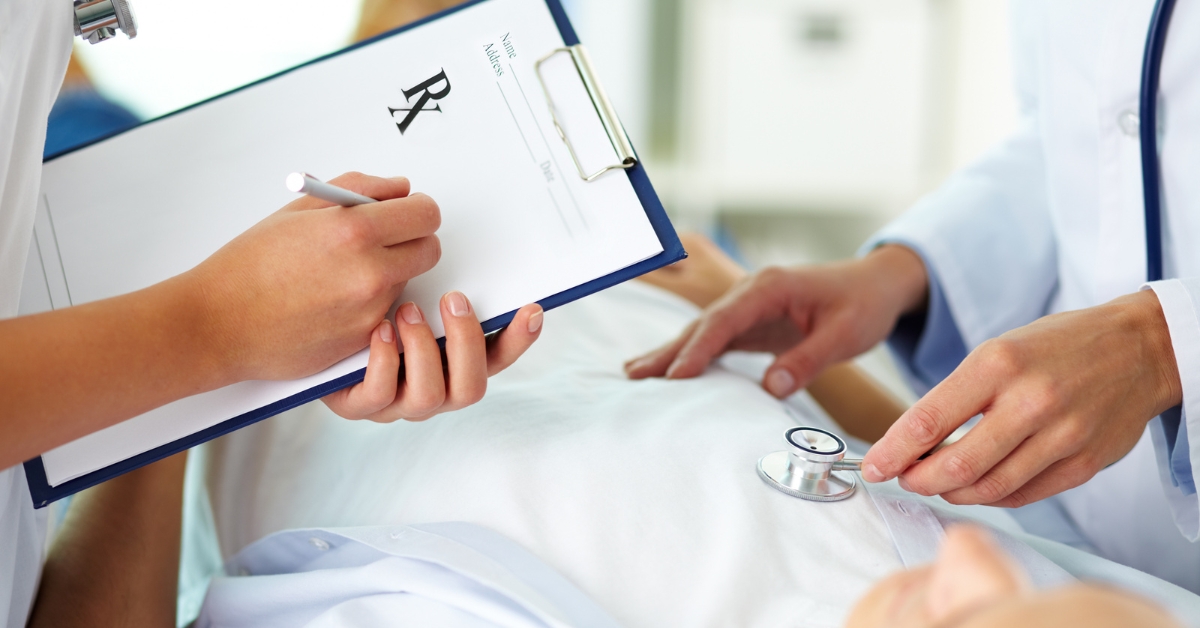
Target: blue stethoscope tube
{"x":1156,"y":41}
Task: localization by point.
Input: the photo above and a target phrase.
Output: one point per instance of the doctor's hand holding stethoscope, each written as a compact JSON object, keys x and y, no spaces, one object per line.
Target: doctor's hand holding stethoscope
{"x":1062,"y":397}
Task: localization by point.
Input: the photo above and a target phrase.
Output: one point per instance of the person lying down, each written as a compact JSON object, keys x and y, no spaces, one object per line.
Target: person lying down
{"x":572,"y":495}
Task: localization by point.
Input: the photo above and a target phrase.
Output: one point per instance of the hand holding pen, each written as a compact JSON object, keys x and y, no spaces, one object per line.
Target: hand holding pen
{"x":427,"y":388}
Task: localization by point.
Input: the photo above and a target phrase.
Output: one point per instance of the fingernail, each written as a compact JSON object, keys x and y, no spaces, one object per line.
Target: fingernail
{"x":458,"y":304}
{"x":871,"y":474}
{"x":904,"y":485}
{"x":385,"y":332}
{"x":535,"y":321}
{"x":780,"y":383}
{"x":674,"y":369}
{"x":636,"y":365}
{"x":411,"y":313}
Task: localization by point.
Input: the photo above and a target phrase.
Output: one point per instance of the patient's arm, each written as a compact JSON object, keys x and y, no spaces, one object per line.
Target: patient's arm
{"x":116,"y":560}
{"x":854,"y":399}
{"x":857,"y":401}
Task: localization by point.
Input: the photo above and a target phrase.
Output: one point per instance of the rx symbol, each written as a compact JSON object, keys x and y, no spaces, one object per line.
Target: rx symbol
{"x":427,"y":93}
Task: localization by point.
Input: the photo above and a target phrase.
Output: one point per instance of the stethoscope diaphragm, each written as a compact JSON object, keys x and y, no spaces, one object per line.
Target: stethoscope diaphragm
{"x":814,"y":467}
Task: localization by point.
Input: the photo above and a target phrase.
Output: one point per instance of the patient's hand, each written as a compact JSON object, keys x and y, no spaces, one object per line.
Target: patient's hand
{"x":972,"y":584}
{"x":704,"y":276}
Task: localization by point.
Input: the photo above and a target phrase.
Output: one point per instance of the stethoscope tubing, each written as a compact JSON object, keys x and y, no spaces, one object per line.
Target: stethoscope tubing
{"x":1156,"y":42}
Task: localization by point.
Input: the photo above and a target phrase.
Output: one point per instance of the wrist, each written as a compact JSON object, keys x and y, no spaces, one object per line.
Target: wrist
{"x":900,"y":276}
{"x":197,"y":330}
{"x":1144,"y":314}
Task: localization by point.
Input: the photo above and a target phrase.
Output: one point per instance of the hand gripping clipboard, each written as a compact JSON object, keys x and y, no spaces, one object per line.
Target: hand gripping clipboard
{"x":623,"y":162}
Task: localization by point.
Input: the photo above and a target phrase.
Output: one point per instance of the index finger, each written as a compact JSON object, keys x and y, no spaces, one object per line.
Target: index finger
{"x":733,"y":315}
{"x":655,"y":363}
{"x":403,"y":219}
{"x":928,"y":422}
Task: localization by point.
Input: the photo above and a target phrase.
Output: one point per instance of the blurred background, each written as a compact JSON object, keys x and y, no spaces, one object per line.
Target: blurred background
{"x":789,"y":130}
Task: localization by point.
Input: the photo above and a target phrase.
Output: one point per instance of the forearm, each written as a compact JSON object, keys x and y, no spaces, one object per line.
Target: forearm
{"x":116,"y":560}
{"x":900,"y":276}
{"x":67,"y":373}
{"x":858,"y":403}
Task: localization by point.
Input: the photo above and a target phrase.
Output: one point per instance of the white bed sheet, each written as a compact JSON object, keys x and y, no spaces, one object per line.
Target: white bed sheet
{"x":642,"y":494}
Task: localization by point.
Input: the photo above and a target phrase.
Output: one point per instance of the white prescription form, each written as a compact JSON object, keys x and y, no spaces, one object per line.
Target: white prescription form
{"x":455,"y":103}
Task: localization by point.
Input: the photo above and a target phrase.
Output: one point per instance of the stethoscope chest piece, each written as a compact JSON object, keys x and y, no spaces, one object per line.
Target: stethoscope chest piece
{"x":814,"y":467}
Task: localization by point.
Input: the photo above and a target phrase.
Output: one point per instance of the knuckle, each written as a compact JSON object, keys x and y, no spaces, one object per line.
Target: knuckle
{"x":1073,"y":433}
{"x":352,"y":176}
{"x":427,"y":209}
{"x":426,"y":403}
{"x":1001,"y":356}
{"x":923,"y":424}
{"x":917,"y":485}
{"x":1015,"y":499}
{"x":351,"y":231}
{"x":354,"y":181}
{"x":963,"y":468}
{"x":991,"y":489}
{"x":368,"y":285}
{"x":770,"y":276}
{"x":1082,"y":467}
{"x":374,"y":402}
{"x":473,"y":395}
{"x":1042,"y":399}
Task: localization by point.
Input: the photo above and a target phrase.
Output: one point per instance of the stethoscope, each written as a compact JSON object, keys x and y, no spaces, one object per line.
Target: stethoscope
{"x":99,"y":20}
{"x":815,"y":466}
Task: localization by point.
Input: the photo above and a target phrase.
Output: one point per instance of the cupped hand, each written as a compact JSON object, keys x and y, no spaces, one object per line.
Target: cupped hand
{"x":308,"y":285}
{"x":1061,"y":398}
{"x":808,"y":317}
{"x":427,"y":385}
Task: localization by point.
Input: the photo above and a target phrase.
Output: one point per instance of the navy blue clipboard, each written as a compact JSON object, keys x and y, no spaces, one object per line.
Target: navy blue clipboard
{"x":43,"y":494}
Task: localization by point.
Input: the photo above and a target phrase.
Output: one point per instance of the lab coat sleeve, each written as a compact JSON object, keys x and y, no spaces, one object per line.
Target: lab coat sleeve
{"x":1177,"y":455}
{"x":927,"y":345}
{"x":985,"y":236}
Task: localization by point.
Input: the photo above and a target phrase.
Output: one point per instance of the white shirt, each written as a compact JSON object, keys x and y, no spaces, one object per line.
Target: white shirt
{"x":35,"y":43}
{"x":1052,"y":220}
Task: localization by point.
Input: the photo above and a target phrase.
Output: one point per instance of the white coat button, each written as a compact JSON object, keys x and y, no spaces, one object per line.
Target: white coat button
{"x":319,"y":543}
{"x":1129,"y":122}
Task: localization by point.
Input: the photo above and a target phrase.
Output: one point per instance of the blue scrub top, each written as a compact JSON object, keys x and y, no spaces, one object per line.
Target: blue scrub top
{"x":79,"y":116}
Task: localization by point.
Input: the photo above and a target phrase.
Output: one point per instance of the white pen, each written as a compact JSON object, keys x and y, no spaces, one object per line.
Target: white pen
{"x":303,"y":183}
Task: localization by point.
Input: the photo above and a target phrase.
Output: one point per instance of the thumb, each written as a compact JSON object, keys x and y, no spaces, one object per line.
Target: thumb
{"x":930,"y":420}
{"x":797,"y":367}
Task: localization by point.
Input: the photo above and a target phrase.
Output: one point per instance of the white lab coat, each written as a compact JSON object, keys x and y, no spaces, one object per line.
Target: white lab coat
{"x":1052,"y":220}
{"x":35,"y":42}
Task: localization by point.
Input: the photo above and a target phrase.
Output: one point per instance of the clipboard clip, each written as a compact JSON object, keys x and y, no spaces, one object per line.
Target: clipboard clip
{"x":608,"y":115}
